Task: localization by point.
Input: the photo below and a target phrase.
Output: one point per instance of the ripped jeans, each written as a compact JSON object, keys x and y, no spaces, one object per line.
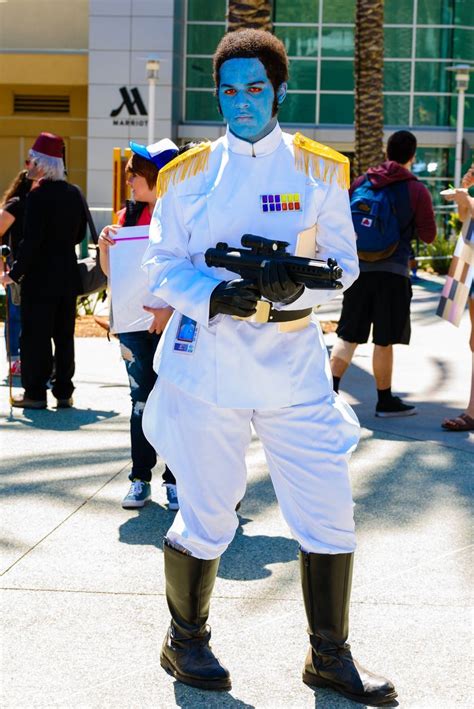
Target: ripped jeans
{"x":138,"y":350}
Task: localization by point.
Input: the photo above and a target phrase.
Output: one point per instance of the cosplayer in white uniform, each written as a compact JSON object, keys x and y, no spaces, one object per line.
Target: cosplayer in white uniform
{"x":219,"y":374}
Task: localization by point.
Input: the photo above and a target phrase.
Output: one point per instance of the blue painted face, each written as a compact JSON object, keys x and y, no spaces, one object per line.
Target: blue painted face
{"x":246,"y":98}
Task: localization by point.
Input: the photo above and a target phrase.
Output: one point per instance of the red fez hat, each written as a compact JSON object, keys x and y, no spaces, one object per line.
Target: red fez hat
{"x":49,"y":144}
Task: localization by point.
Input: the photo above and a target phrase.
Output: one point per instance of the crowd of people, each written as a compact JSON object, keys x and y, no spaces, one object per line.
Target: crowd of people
{"x":208,"y":322}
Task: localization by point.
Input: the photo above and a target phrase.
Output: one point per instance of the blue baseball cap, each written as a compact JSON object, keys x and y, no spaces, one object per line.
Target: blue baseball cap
{"x":159,"y":153}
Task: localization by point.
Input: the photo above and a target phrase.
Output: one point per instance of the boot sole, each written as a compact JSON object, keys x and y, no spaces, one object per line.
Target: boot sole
{"x":135,"y":505}
{"x":36,"y":407}
{"x":218,"y":685}
{"x":314,"y":681}
{"x":395,"y":414}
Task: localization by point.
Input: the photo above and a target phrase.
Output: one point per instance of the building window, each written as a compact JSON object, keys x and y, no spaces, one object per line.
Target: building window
{"x":422,"y":38}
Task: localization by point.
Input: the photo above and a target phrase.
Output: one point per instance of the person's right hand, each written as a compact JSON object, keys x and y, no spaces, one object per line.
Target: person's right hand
{"x":238,"y":297}
{"x":160,"y":318}
{"x":106,"y":237}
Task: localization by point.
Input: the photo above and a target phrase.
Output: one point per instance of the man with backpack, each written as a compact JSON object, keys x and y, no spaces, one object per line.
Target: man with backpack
{"x":389,"y":208}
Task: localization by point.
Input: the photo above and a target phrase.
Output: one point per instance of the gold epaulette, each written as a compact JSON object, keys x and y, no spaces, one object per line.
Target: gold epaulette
{"x":325,"y":163}
{"x":190,"y":163}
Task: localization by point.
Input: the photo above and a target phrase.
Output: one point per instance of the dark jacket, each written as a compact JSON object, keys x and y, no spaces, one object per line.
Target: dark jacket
{"x":414,"y":206}
{"x":16,"y":207}
{"x":55,"y":221}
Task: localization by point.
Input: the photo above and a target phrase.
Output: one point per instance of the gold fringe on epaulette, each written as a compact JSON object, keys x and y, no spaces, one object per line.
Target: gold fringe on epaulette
{"x":190,"y":163}
{"x":324,"y":163}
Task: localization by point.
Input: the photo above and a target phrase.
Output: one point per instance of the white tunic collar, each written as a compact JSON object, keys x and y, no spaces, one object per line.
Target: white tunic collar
{"x":265,"y":146}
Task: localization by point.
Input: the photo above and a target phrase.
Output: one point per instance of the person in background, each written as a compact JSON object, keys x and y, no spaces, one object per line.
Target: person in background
{"x":381,"y":296}
{"x":12,"y":209}
{"x":138,"y":348}
{"x":46,"y":267}
{"x":465,"y":203}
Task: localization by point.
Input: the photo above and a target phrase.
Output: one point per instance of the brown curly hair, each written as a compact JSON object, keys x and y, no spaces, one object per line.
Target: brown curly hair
{"x":254,"y":44}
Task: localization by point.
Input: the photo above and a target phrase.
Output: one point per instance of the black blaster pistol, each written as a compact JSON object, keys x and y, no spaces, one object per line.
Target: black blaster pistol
{"x":312,"y":273}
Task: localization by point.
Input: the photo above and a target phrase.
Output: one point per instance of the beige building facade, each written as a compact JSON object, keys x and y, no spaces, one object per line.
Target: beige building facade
{"x":43,"y":81}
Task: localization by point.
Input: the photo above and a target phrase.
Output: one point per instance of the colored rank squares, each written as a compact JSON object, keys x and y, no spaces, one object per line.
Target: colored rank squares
{"x":280,"y":202}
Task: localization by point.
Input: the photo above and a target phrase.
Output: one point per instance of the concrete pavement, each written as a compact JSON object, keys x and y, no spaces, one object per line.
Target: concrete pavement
{"x":83,"y":605}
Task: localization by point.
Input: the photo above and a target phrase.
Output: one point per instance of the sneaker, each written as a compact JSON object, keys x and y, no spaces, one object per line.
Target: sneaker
{"x":394,"y":407}
{"x":139,"y":493}
{"x":15,"y":369}
{"x":172,"y":497}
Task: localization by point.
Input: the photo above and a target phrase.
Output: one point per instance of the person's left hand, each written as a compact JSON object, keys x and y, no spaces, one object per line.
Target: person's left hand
{"x":276,"y":284}
{"x":5,"y":280}
{"x":160,"y":318}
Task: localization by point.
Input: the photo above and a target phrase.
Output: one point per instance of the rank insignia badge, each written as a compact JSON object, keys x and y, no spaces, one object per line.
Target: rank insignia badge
{"x":280,"y":202}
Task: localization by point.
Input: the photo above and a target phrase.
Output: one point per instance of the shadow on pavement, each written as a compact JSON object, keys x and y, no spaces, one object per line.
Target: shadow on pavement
{"x":359,"y":384}
{"x":328,"y":699}
{"x":59,"y":419}
{"x":11,"y":466}
{"x":246,"y":559}
{"x":148,"y":527}
{"x":407,"y":486}
{"x":191,"y":698}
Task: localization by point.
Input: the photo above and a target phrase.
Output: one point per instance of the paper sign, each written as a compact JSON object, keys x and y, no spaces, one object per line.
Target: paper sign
{"x":128,"y":283}
{"x":458,"y":282}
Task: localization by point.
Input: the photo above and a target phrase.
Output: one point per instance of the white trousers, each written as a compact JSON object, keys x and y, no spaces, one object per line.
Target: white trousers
{"x":307,"y":448}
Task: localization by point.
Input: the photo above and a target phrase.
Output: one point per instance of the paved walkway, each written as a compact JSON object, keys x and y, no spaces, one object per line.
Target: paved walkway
{"x":83,"y":604}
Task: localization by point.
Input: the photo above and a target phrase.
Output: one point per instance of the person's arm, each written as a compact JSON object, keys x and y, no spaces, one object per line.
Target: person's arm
{"x":425,"y":224}
{"x":465,"y":205}
{"x":6,"y":220}
{"x":34,"y":235}
{"x":335,"y":239}
{"x":171,"y":273}
{"x":106,"y":241}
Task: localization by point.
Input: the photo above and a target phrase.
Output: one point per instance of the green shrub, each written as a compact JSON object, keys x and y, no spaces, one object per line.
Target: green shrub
{"x":441,"y":251}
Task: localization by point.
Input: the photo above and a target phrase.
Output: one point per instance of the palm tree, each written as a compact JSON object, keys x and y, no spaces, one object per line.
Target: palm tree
{"x":249,"y":13}
{"x":368,"y":70}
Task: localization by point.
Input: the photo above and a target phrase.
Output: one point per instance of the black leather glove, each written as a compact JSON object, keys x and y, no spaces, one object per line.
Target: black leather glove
{"x":237,"y":297}
{"x":276,"y":285}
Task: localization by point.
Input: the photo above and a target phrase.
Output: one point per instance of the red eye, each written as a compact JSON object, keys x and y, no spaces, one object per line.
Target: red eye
{"x":230,"y":92}
{"x":255,"y":90}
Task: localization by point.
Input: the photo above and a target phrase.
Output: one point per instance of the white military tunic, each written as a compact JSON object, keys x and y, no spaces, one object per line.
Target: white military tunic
{"x":236,"y":372}
{"x":239,"y":364}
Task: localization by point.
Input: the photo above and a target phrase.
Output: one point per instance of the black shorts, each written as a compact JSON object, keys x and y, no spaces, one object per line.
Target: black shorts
{"x":380,"y":299}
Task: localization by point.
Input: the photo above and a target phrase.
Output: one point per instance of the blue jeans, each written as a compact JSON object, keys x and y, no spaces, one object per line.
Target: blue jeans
{"x":14,"y":328}
{"x":138,"y":350}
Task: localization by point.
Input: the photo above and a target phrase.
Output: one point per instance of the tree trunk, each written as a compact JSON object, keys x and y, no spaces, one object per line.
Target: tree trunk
{"x":368,"y":70}
{"x":256,"y":14}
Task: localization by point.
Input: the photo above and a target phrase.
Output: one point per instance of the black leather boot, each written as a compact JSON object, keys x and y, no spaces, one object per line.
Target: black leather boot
{"x":326,"y":581}
{"x":186,"y":654}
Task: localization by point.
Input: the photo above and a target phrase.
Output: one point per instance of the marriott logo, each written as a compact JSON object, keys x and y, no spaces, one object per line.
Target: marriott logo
{"x":133,"y":104}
